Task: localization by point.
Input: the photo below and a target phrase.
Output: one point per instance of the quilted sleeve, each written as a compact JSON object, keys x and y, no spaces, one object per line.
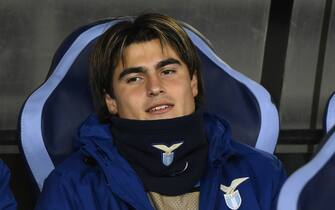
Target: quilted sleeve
{"x":7,"y":200}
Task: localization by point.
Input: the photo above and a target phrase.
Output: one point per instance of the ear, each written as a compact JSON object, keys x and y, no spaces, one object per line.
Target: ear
{"x":111,"y":104}
{"x":194,"y":84}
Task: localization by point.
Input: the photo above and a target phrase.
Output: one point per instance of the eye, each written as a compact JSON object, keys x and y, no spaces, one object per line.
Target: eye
{"x":168,"y":72}
{"x":133,"y":80}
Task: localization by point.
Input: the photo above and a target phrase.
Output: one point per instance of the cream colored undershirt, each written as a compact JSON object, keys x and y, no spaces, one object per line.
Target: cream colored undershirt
{"x":188,"y":201}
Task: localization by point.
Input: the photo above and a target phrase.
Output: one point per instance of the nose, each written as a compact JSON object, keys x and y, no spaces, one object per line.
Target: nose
{"x":154,"y":86}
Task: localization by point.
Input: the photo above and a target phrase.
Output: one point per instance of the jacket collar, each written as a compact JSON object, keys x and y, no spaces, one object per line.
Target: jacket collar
{"x":219,"y":137}
{"x":95,"y":140}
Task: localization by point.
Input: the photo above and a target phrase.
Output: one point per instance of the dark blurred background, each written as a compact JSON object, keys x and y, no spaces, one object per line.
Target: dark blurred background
{"x":286,"y":45}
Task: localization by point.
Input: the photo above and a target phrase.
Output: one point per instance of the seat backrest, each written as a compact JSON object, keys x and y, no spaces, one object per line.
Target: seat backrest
{"x":329,"y":114}
{"x":313,"y":185}
{"x":52,"y":114}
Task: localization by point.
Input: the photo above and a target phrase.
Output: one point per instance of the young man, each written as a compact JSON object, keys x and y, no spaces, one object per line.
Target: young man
{"x":7,"y":200}
{"x":152,"y":146}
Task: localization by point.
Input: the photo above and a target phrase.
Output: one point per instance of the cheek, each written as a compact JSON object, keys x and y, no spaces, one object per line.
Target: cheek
{"x":129,"y":107}
{"x":182,"y":91}
{"x":129,"y":96}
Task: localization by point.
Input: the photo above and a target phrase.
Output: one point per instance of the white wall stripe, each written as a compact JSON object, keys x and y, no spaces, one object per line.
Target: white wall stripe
{"x":9,"y":149}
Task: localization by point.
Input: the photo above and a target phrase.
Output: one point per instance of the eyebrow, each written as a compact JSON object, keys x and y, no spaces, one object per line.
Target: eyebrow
{"x":166,"y":62}
{"x":141,"y":69}
{"x":130,"y":71}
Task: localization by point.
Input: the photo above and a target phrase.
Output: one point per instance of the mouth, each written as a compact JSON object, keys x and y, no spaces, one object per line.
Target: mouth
{"x":159,"y":109}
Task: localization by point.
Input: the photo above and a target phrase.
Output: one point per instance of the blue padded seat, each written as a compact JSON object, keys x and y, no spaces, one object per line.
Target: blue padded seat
{"x":329,"y":115}
{"x":53,"y":112}
{"x":312,"y":187}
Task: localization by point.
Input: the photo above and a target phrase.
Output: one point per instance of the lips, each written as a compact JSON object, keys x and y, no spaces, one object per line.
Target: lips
{"x":160,"y":108}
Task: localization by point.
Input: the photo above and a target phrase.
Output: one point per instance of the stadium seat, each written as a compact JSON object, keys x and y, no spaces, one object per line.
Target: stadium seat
{"x":312,"y":186}
{"x":329,"y":115}
{"x":52,"y":113}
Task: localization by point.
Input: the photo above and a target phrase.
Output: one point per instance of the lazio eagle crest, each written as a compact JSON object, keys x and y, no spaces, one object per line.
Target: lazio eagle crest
{"x":168,"y":154}
{"x":232,"y":197}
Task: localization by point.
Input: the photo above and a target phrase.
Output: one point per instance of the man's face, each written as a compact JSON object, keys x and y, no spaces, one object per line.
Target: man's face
{"x":152,"y":83}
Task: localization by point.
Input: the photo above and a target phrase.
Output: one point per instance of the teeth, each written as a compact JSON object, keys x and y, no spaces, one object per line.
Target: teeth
{"x":157,"y":108}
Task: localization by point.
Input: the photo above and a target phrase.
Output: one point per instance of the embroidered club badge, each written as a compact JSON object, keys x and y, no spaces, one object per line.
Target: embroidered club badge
{"x":232,"y":197}
{"x":233,"y":200}
{"x":167,"y":158}
{"x":168,"y":154}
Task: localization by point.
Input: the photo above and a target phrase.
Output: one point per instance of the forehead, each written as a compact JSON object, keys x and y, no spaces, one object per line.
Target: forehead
{"x":146,"y":52}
